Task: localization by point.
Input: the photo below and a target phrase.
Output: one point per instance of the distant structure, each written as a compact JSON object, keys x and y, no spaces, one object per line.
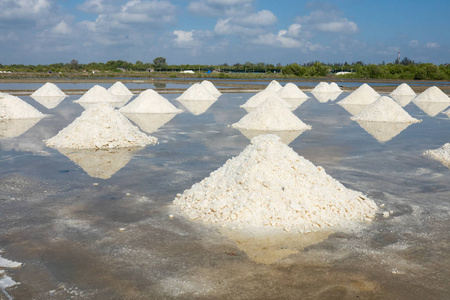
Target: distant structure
{"x":397,"y":61}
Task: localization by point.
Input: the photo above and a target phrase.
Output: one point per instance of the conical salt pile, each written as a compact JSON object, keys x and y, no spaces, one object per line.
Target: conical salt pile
{"x":322,"y":87}
{"x":402,"y":90}
{"x":48,"y":89}
{"x":100,"y":127}
{"x":442,"y":154}
{"x":98,"y":94}
{"x":291,"y":91}
{"x":384,"y":110}
{"x":119,"y":89}
{"x":12,"y":107}
{"x":259,"y":98}
{"x":334,"y":87}
{"x":270,"y":185}
{"x":149,"y":101}
{"x":273,"y":86}
{"x":432,"y":94}
{"x":272,"y":114}
{"x":362,"y":95}
{"x":196,"y":92}
{"x":211,"y":88}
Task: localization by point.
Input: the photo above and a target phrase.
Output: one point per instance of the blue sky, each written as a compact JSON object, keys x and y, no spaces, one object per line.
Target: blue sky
{"x":223,"y":31}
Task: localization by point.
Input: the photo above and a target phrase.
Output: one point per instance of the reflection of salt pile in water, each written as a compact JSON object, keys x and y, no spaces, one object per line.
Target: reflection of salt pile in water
{"x":49,"y":95}
{"x":261,"y":97}
{"x":12,"y":107}
{"x":149,"y":101}
{"x":447,"y":112}
{"x":211,"y":88}
{"x":274,"y":86}
{"x":5,"y":280}
{"x":432,"y":101}
{"x":100,"y":127}
{"x":269,"y":184}
{"x":16,"y":127}
{"x":197,"y":99}
{"x":150,"y":122}
{"x":100,"y":163}
{"x":98,"y":94}
{"x":292,"y":95}
{"x":364,"y":95}
{"x":385,"y":110}
{"x":403,"y":94}
{"x":442,"y":154}
{"x":272,"y":114}
{"x":121,"y":91}
{"x":269,"y":247}
{"x":325,"y":92}
{"x":384,"y":119}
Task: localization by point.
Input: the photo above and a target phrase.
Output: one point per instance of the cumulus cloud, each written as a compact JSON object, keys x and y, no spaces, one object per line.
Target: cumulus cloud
{"x":61,"y":28}
{"x":220,"y":8}
{"x":183,"y":37}
{"x":329,"y":20}
{"x":414,"y":43}
{"x":432,"y":45}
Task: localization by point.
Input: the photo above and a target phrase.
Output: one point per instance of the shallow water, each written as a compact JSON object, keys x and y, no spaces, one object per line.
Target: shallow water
{"x":110,"y":236}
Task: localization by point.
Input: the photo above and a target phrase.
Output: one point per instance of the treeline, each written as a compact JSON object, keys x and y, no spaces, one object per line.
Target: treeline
{"x":405,"y":69}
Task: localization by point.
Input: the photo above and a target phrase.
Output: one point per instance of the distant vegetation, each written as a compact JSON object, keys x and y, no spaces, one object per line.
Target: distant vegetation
{"x":405,"y":69}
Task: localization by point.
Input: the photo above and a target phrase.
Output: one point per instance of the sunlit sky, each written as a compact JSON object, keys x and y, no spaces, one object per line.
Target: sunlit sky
{"x":224,"y":31}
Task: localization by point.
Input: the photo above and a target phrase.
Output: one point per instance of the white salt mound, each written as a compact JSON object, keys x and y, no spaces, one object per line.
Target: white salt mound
{"x":12,"y":107}
{"x":432,"y":94}
{"x":196,"y":92}
{"x":270,"y":185}
{"x":334,"y":88}
{"x":402,"y":90}
{"x":362,"y":95}
{"x":260,"y":97}
{"x":291,"y":91}
{"x":322,"y":87}
{"x":101,"y":127}
{"x":98,"y":94}
{"x":384,"y":109}
{"x":274,"y":86}
{"x":120,"y":89}
{"x":149,"y":101}
{"x":48,"y":89}
{"x":272,"y":114}
{"x":211,"y":88}
{"x":442,"y":154}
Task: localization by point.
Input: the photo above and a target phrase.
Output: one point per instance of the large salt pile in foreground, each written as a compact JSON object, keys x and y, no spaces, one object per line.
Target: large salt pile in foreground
{"x":270,"y":185}
{"x":12,"y":107}
{"x":384,"y":110}
{"x":362,"y":95}
{"x":48,"y":89}
{"x":274,"y":86}
{"x":101,"y":127}
{"x":119,"y":89}
{"x":272,"y":114}
{"x":291,"y":91}
{"x":197,"y":92}
{"x":211,"y":88}
{"x":442,"y":154}
{"x":98,"y":94}
{"x":149,"y":101}
{"x":259,"y":98}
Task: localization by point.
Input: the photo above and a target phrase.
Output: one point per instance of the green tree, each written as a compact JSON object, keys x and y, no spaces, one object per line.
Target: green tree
{"x":159,"y":63}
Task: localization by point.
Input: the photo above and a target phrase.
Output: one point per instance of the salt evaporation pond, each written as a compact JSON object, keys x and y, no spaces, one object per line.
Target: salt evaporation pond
{"x":85,"y":237}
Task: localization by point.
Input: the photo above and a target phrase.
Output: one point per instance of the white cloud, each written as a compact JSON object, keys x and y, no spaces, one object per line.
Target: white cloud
{"x":62,"y":28}
{"x":221,"y":8}
{"x":329,"y":20}
{"x":183,"y":37}
{"x":432,"y":45}
{"x":229,"y":27}
{"x":18,"y":9}
{"x":414,"y":44}
{"x":262,"y":18}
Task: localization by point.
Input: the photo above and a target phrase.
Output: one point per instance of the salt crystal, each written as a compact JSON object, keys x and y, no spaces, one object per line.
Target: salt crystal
{"x":294,"y":182}
{"x":149,"y":101}
{"x":196,"y":92}
{"x":442,"y":154}
{"x":362,"y":95}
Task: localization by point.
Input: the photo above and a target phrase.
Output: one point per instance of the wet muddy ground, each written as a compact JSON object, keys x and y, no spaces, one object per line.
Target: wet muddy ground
{"x":97,"y":225}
